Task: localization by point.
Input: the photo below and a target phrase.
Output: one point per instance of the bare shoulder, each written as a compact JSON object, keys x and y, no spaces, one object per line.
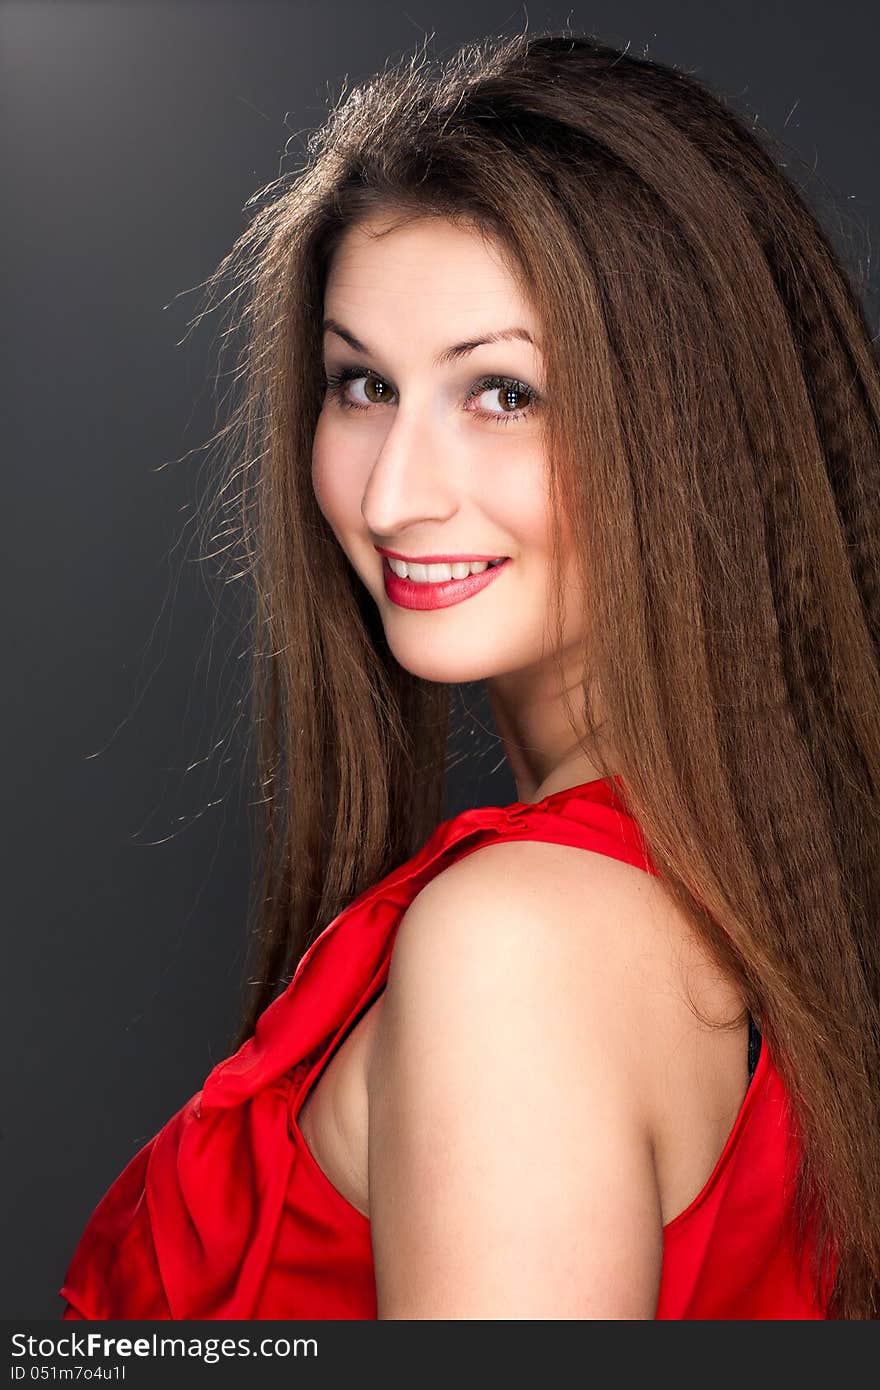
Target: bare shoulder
{"x":511,"y":1159}
{"x":607,"y":931}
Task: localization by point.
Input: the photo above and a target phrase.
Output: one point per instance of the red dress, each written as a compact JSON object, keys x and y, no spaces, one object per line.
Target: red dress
{"x":225,"y":1213}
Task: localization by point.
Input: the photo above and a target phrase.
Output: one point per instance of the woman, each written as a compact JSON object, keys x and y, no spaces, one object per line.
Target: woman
{"x":551,"y":317}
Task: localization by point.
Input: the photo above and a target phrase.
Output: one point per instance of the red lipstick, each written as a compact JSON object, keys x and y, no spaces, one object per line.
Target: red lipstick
{"x":437,"y":559}
{"x":406,"y":593}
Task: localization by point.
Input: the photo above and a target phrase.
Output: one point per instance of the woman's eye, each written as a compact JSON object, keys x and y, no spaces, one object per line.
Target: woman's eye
{"x":506,"y":398}
{"x":337,"y":387}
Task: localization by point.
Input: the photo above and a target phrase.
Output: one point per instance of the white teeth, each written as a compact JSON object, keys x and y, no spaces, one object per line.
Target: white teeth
{"x":437,"y":574}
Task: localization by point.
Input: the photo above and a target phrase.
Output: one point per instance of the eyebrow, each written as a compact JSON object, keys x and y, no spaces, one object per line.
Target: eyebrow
{"x":450,"y":354}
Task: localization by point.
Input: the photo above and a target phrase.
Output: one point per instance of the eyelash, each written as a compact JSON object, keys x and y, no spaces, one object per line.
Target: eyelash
{"x":336,"y":383}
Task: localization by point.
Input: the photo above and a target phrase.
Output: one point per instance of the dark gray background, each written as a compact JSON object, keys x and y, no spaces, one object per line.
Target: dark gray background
{"x":132,"y":136}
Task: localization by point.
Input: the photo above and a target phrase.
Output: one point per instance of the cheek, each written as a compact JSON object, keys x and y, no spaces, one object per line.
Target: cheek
{"x":334,"y":479}
{"x":518,"y":502}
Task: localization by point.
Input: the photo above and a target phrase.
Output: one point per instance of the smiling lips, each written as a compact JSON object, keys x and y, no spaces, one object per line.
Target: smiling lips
{"x":435,"y":573}
{"x":427,"y":592}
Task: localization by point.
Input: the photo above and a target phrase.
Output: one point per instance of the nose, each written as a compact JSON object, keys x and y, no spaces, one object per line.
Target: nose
{"x":413,"y":478}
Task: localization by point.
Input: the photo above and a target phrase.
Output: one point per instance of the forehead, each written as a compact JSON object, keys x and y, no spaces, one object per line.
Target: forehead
{"x":431,"y":266}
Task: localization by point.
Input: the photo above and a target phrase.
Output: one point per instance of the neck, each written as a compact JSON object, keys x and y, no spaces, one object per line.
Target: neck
{"x":545,"y":754}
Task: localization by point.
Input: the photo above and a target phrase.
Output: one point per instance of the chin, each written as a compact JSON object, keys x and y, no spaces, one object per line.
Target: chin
{"x":431,"y":666}
{"x":445,"y":661}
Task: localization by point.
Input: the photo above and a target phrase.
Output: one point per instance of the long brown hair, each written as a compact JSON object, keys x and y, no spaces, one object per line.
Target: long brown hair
{"x":713,"y":400}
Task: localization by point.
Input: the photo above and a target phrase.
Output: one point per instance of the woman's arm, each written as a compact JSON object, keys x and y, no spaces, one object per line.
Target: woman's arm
{"x":510,"y":1158}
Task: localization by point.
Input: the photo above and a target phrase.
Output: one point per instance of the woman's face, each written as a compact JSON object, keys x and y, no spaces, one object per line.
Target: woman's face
{"x":430,"y":447}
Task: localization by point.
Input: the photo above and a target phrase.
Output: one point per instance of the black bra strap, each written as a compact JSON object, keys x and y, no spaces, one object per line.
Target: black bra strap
{"x":754,"y":1046}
